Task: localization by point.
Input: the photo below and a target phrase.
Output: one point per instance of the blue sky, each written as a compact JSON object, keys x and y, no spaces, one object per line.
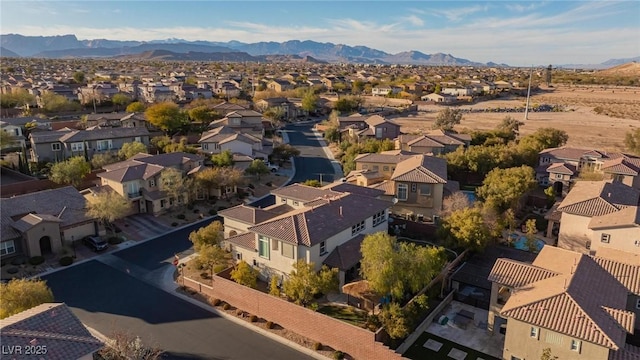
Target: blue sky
{"x":512,"y":32}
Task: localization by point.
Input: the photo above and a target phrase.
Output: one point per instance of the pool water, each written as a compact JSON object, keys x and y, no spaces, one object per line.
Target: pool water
{"x":471,"y":195}
{"x":520,"y":242}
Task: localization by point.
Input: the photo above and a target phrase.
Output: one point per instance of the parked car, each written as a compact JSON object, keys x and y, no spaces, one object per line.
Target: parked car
{"x":272,"y":167}
{"x":96,"y":243}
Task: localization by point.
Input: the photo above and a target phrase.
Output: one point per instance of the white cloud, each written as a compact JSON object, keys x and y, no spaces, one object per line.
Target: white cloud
{"x":413,"y":20}
{"x":458,"y":14}
{"x":520,"y":7}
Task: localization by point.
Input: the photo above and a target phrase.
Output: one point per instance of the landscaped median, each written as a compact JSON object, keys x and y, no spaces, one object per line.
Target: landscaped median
{"x":357,"y":342}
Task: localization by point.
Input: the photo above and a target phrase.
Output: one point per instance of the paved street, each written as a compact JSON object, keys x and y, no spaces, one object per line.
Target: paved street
{"x":120,"y":292}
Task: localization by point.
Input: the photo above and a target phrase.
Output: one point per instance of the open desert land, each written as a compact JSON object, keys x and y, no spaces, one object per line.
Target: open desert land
{"x":618,"y":107}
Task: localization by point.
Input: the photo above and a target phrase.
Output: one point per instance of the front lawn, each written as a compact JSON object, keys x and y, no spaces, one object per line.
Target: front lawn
{"x":345,"y":313}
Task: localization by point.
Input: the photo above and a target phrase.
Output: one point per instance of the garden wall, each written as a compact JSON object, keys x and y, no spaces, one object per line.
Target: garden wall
{"x":357,"y":342}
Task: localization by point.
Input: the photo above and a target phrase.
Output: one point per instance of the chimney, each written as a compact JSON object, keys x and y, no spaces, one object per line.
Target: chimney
{"x":340,"y":211}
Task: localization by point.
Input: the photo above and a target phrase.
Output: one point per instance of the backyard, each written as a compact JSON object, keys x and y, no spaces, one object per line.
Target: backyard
{"x":345,"y":313}
{"x":432,"y":347}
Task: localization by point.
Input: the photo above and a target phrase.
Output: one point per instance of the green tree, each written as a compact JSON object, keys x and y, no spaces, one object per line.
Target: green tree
{"x":72,"y":171}
{"x":130,"y":149}
{"x":275,"y":115}
{"x":108,"y":206}
{"x":466,"y":228}
{"x":284,"y":152}
{"x":100,"y":160}
{"x":203,"y":114}
{"x":530,"y":146}
{"x":502,"y":189}
{"x":135,"y":107}
{"x":209,"y":178}
{"x":19,"y":295}
{"x":312,"y":183}
{"x":209,"y":235}
{"x":530,"y":235}
{"x":332,"y":134}
{"x":180,"y":146}
{"x":245,"y":275}
{"x":310,"y":101}
{"x":394,"y":320}
{"x":223,"y":159}
{"x":274,"y":289}
{"x":456,"y":201}
{"x":438,"y":89}
{"x":257,"y":168}
{"x":394,"y":268}
{"x":52,"y":102}
{"x":7,"y":140}
{"x":166,"y":116}
{"x":632,"y":141}
{"x":209,"y":256}
{"x":120,"y":99}
{"x":348,"y":104}
{"x":447,"y":119}
{"x":79,"y":77}
{"x":510,"y":126}
{"x":173,"y":183}
{"x":122,"y":345}
{"x":16,"y":98}
{"x":304,"y":282}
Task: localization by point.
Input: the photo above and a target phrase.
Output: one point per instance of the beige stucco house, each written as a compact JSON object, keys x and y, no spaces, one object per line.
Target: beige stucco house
{"x":578,"y":306}
{"x":42,"y":223}
{"x":415,"y":181}
{"x":138,"y":179}
{"x":600,"y":214}
{"x":305,"y":223}
{"x":434,"y":142}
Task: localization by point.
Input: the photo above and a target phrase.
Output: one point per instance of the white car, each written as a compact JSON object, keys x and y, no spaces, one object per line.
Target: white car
{"x":272,"y":167}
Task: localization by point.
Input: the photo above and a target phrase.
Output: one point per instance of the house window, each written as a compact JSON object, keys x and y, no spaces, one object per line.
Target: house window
{"x":323,"y":248}
{"x":587,"y":245}
{"x":385,"y":168}
{"x":56,"y":147}
{"x":163,"y":202}
{"x":104,"y":145}
{"x":283,"y":200}
{"x":534,"y":332}
{"x":576,"y":345}
{"x":274,"y":245}
{"x":287,"y":250}
{"x":637,"y":303}
{"x":414,"y":187}
{"x":77,"y":146}
{"x":7,"y":247}
{"x":357,"y":227}
{"x":263,"y":247}
{"x":402,"y":192}
{"x":295,"y":203}
{"x":558,"y":176}
{"x":376,"y":167}
{"x":216,"y":146}
{"x":605,"y":238}
{"x":152,"y":182}
{"x":205,"y":146}
{"x":137,"y":138}
{"x":379,"y":218}
{"x":239,"y":256}
{"x":425,"y":189}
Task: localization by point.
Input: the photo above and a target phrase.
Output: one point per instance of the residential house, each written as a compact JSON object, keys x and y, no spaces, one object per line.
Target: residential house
{"x":242,"y":120}
{"x":51,"y":330}
{"x":291,"y":112}
{"x":279,"y":85}
{"x":600,"y":214}
{"x":439,"y":98}
{"x":16,"y":127}
{"x":457,"y":91}
{"x":225,"y":138}
{"x":578,"y":306}
{"x":624,"y":169}
{"x":138,"y":179}
{"x":41,"y":223}
{"x":60,"y":145}
{"x":434,"y":142}
{"x":416,"y":181}
{"x":305,"y":223}
{"x":385,"y":90}
{"x":98,"y":92}
{"x":374,"y":126}
{"x":225,"y":108}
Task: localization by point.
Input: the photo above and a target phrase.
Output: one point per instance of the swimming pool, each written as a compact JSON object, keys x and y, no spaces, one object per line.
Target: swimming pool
{"x":520,"y":242}
{"x":470,"y":194}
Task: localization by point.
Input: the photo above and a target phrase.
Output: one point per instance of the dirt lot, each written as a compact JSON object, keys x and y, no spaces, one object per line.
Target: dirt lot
{"x":619,"y":113}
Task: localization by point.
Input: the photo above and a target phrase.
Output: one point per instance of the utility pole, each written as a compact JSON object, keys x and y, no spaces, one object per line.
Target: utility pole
{"x":526,"y":110}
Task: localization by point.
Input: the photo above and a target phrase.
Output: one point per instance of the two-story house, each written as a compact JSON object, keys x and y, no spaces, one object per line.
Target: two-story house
{"x":434,"y":142}
{"x":16,"y":127}
{"x":600,"y":214}
{"x":625,"y":169}
{"x":578,"y":306}
{"x":41,"y":223}
{"x":249,"y":121}
{"x":305,"y":223}
{"x":416,"y":181}
{"x":225,"y":138}
{"x":279,"y":85}
{"x":138,"y":179}
{"x":60,"y":145}
{"x":375,"y":126}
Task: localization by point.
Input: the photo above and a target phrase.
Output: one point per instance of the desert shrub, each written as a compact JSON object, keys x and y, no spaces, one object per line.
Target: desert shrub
{"x":181,"y":216}
{"x":66,"y":260}
{"x":36,"y":260}
{"x":253,"y":318}
{"x":115,"y":240}
{"x":338,"y":355}
{"x":174,"y":224}
{"x":219,"y":268}
{"x":212,"y":212}
{"x":20,"y":260}
{"x":317,"y":346}
{"x":215,"y":302}
{"x":313,"y":306}
{"x":205,"y":275}
{"x":269,"y":324}
{"x":226,"y":306}
{"x":239,"y":312}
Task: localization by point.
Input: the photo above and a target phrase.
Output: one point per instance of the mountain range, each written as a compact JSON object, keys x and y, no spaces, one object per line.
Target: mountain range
{"x":68,"y":46}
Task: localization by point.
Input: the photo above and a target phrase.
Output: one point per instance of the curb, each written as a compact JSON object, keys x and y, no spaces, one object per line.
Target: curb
{"x":247,"y":325}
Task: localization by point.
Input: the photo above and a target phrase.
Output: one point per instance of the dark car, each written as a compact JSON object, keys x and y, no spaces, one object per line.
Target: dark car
{"x":96,"y":243}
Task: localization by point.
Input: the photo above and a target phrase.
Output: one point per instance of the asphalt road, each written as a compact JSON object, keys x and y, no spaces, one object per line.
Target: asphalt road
{"x":311,"y":164}
{"x":117,"y":293}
